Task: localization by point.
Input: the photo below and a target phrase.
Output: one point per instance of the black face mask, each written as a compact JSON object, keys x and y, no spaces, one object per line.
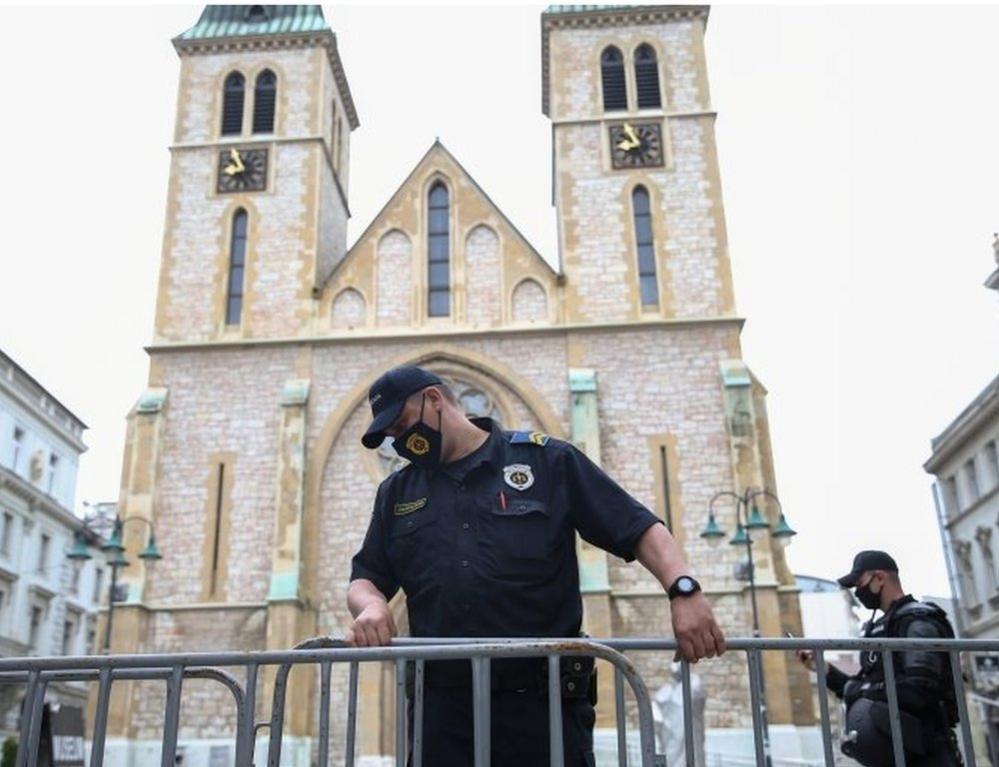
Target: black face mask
{"x":867,"y":598}
{"x":420,"y":444}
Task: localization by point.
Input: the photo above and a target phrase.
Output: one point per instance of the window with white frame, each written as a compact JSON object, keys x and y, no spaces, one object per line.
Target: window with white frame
{"x":18,"y":448}
{"x":971,"y":478}
{"x":992,"y":459}
{"x":43,"y":553}
{"x":53,"y":469}
{"x":7,"y":533}
{"x":68,"y":636}
{"x":37,"y":620}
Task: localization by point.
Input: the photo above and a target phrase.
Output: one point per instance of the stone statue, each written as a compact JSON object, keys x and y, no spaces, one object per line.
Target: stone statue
{"x":984,"y":537}
{"x":667,"y":714}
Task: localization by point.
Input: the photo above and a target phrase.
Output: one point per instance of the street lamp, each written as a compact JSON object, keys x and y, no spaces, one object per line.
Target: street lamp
{"x":114,"y":545}
{"x":752,"y":530}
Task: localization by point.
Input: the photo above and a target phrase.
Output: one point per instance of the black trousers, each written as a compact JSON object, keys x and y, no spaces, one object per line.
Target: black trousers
{"x":519,"y":735}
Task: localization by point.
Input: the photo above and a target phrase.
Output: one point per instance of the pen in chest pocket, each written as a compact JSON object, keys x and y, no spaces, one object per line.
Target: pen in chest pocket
{"x":502,"y":500}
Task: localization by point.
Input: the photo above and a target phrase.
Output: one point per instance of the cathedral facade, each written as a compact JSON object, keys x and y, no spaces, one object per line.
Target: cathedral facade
{"x":244,"y":450}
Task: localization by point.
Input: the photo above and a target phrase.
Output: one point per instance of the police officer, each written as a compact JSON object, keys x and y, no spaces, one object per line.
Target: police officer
{"x":923,"y":679}
{"x":479,"y":532}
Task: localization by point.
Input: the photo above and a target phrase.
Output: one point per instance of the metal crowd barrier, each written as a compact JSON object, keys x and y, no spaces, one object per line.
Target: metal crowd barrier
{"x":173,"y":669}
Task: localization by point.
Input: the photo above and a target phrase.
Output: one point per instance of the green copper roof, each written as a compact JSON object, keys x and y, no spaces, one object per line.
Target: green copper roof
{"x":582,"y":8}
{"x":255,"y":20}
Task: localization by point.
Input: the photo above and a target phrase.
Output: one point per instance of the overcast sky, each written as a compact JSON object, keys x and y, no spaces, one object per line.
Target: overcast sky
{"x":858,"y":157}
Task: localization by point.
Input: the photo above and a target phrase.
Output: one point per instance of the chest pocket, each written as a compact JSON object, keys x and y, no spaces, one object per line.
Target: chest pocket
{"x":412,"y":544}
{"x":522,"y":530}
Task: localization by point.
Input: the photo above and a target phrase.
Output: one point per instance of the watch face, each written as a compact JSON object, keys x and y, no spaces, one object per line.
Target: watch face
{"x":636,"y":145}
{"x":242,"y":170}
{"x":685,"y":585}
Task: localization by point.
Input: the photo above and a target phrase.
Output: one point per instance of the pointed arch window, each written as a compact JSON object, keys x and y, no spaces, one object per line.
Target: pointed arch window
{"x":612,"y":79}
{"x":647,"y":282}
{"x":438,"y":252}
{"x":264,"y":99}
{"x":647,"y":77}
{"x":233,"y":93}
{"x":237,"y":265}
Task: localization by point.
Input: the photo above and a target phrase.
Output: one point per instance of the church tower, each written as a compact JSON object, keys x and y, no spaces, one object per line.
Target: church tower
{"x":258,"y":206}
{"x":644,"y":254}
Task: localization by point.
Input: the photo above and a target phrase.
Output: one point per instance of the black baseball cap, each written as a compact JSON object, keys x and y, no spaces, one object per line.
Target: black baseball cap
{"x":388,"y":394}
{"x":864,"y":561}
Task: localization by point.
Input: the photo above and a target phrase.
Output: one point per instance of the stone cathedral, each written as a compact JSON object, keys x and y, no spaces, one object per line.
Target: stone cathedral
{"x":244,"y":449}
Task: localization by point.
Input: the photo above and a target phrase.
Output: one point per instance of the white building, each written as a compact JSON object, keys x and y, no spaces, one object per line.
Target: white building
{"x":48,"y":604}
{"x":965,"y":464}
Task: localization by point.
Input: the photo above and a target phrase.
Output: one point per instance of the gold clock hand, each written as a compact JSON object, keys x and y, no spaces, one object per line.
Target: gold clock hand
{"x":238,"y":160}
{"x":630,"y":132}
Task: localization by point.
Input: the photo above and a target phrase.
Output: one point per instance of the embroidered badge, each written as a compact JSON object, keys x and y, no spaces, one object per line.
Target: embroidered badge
{"x":402,"y":509}
{"x":519,"y":476}
{"x":417,"y":445}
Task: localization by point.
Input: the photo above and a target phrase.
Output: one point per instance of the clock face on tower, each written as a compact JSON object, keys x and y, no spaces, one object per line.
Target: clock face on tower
{"x":636,"y":145}
{"x":242,"y":170}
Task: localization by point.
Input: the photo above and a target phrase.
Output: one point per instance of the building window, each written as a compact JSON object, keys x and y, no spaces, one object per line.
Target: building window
{"x":18,"y":445}
{"x":98,"y":582}
{"x":438,"y":252}
{"x":43,"y":553}
{"x":232,"y":104}
{"x":972,"y":479}
{"x":647,"y":77}
{"x":951,"y":504}
{"x":35,"y":626}
{"x":6,"y":533}
{"x":53,"y":468}
{"x":644,"y":246}
{"x":68,"y":637}
{"x":264,"y":100}
{"x":237,"y":263}
{"x":612,"y":79}
{"x":992,"y":460}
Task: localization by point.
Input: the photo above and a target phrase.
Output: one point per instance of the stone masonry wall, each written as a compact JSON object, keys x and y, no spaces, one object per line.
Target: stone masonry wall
{"x":529,"y":302}
{"x":482,"y":267}
{"x":394,"y":286}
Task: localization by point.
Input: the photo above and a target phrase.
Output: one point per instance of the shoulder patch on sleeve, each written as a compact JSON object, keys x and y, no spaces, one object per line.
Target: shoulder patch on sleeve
{"x":529,"y":437}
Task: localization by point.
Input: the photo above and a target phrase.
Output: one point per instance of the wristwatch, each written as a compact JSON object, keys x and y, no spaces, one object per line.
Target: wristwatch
{"x":684,"y":586}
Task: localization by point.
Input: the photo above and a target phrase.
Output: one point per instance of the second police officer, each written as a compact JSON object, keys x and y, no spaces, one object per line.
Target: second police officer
{"x":479,"y":531}
{"x":928,"y":707}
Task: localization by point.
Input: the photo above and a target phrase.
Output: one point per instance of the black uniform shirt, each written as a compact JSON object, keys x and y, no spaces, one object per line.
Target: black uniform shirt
{"x":485,"y":546}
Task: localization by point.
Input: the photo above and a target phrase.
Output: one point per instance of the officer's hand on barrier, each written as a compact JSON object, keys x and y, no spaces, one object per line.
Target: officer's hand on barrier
{"x":697,"y":633}
{"x":373,"y":626}
{"x":807,"y":657}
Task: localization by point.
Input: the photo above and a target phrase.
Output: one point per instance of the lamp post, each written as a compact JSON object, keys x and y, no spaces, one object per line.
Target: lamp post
{"x":753,"y":529}
{"x":79,"y":553}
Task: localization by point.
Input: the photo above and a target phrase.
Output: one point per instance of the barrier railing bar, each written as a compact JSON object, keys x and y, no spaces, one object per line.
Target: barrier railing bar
{"x":246,"y":729}
{"x":557,"y":748}
{"x":753,"y":663}
{"x":820,"y":673}
{"x":400,"y":713}
{"x":276,"y":725}
{"x":688,"y":714}
{"x":101,"y":718}
{"x":481,"y":713}
{"x":34,"y":734}
{"x":621,"y":718}
{"x":893,"y":716}
{"x":171,"y":717}
{"x":418,"y":716}
{"x":351,"y":714}
{"x":325,"y":669}
{"x":962,"y":708}
{"x":26,"y":708}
